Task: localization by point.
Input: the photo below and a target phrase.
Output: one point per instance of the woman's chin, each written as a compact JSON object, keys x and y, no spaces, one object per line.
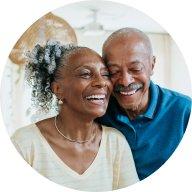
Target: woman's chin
{"x":96,"y":114}
{"x":96,"y":111}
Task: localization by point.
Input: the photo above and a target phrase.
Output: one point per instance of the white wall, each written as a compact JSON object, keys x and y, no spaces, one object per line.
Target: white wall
{"x":180,"y":79}
{"x":170,"y":68}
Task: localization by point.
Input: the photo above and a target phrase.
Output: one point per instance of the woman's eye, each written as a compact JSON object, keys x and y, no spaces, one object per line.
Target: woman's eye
{"x":85,"y":75}
{"x":106,"y":74}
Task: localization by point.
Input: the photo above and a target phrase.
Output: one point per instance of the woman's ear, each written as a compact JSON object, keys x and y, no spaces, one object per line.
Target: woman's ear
{"x":56,"y":88}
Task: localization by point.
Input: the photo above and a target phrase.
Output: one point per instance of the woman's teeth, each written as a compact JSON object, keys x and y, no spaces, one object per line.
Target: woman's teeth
{"x":95,"y":97}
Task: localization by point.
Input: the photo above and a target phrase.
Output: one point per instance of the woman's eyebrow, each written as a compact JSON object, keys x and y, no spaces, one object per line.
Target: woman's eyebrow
{"x":89,"y":66}
{"x":82,"y":67}
{"x":78,"y":67}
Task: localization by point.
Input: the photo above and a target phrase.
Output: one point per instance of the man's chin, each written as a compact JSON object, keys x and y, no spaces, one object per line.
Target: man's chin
{"x":128,"y":104}
{"x":130,"y":107}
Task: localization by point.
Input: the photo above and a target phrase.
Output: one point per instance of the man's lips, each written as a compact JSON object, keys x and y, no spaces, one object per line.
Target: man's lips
{"x":128,"y":91}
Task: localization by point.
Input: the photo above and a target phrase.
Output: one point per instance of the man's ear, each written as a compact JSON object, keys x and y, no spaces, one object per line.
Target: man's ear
{"x":153,"y":61}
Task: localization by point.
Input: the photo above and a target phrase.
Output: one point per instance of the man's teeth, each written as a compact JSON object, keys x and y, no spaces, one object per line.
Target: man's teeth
{"x":95,"y":97}
{"x":128,"y":93}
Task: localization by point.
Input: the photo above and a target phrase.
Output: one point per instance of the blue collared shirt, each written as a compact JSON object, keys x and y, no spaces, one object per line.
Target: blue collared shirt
{"x":154,"y":135}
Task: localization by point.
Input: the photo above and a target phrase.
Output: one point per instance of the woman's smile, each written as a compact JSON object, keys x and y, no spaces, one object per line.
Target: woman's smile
{"x":86,"y":86}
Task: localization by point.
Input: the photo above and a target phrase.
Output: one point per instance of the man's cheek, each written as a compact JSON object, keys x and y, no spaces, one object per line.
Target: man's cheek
{"x":114,"y":81}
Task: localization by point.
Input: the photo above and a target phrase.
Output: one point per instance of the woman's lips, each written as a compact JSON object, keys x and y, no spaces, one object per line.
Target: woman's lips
{"x":99,"y":96}
{"x":98,"y":99}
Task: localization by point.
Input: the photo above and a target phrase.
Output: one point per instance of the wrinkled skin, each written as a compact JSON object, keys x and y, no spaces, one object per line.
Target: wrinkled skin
{"x":130,"y":64}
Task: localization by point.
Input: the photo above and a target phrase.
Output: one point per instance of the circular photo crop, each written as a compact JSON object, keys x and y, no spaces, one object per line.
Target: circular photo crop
{"x":95,"y":100}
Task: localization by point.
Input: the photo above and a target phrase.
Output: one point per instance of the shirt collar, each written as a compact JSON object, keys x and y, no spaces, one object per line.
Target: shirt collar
{"x":154,"y":92}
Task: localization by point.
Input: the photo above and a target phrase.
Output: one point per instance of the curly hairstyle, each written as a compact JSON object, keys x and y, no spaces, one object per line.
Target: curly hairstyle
{"x":41,"y":70}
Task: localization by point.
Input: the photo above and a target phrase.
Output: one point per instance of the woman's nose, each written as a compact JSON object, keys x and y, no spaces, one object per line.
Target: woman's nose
{"x":99,"y":81}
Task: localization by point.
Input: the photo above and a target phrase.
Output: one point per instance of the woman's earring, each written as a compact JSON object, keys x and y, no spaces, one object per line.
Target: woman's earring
{"x":60,"y":102}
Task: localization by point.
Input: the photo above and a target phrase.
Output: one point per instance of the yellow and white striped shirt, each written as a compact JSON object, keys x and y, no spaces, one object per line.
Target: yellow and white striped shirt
{"x":112,"y":168}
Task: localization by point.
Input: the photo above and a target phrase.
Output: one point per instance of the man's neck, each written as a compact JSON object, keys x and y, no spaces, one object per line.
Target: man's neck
{"x":134,"y":112}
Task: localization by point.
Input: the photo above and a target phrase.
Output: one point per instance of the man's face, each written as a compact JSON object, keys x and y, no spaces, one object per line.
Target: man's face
{"x":130,"y":65}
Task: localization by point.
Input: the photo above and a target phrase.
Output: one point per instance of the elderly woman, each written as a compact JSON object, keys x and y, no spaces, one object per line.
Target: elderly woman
{"x":72,"y":149}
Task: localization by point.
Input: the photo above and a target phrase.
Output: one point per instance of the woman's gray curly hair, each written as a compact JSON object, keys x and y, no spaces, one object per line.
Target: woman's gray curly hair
{"x":41,"y":69}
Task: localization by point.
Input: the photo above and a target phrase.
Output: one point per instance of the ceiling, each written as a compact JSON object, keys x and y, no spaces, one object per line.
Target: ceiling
{"x":107,"y":15}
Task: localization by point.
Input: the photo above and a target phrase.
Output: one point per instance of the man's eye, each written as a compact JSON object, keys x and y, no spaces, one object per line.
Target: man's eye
{"x":135,"y":70}
{"x":112,"y":73}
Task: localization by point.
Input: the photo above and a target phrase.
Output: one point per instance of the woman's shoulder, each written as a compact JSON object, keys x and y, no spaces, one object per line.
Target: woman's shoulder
{"x":114,"y":135}
{"x":112,"y":131}
{"x":31,"y":130}
{"x":25,"y":133}
{"x":115,"y":142}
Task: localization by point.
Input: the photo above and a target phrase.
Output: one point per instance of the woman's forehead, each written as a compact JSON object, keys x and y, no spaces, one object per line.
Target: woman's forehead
{"x":84,"y":56}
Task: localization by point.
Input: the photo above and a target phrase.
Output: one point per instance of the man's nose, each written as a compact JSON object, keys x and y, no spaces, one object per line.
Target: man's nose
{"x":126,"y":79}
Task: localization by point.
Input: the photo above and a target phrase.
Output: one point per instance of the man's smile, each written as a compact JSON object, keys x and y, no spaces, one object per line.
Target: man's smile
{"x":129,"y":90}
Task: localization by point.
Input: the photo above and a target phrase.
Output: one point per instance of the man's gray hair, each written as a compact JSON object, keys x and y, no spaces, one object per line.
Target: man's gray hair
{"x":126,"y":33}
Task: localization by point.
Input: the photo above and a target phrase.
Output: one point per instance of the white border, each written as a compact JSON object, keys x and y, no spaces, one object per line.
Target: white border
{"x":16,"y":16}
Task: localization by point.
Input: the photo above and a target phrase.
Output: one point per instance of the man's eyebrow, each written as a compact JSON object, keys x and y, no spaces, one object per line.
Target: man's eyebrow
{"x":111,"y":64}
{"x":135,"y":62}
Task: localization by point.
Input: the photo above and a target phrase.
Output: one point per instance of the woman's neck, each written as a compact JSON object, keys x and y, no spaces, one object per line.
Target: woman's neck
{"x":75,"y":126}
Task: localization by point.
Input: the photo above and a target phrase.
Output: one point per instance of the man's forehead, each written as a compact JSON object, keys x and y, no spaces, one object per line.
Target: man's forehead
{"x":126,"y":47}
{"x":127,"y":40}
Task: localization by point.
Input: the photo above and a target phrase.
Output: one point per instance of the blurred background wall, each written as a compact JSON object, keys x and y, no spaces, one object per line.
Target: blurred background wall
{"x":90,"y":23}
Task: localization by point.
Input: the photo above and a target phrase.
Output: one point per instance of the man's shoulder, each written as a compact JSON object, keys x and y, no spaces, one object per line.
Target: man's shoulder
{"x":174,"y":103}
{"x":174,"y":96}
{"x":174,"y":107}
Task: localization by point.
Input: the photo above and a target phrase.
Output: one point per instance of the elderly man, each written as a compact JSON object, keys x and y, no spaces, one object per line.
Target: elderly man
{"x":153,"y":119}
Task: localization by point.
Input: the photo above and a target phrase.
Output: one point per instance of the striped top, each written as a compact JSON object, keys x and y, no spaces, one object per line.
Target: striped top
{"x":112,"y":168}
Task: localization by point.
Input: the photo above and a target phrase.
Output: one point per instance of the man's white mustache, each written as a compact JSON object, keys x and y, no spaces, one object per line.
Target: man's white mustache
{"x":130,"y":87}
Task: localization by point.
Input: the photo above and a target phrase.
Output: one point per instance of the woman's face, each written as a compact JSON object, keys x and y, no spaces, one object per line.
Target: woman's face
{"x":85,"y":86}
